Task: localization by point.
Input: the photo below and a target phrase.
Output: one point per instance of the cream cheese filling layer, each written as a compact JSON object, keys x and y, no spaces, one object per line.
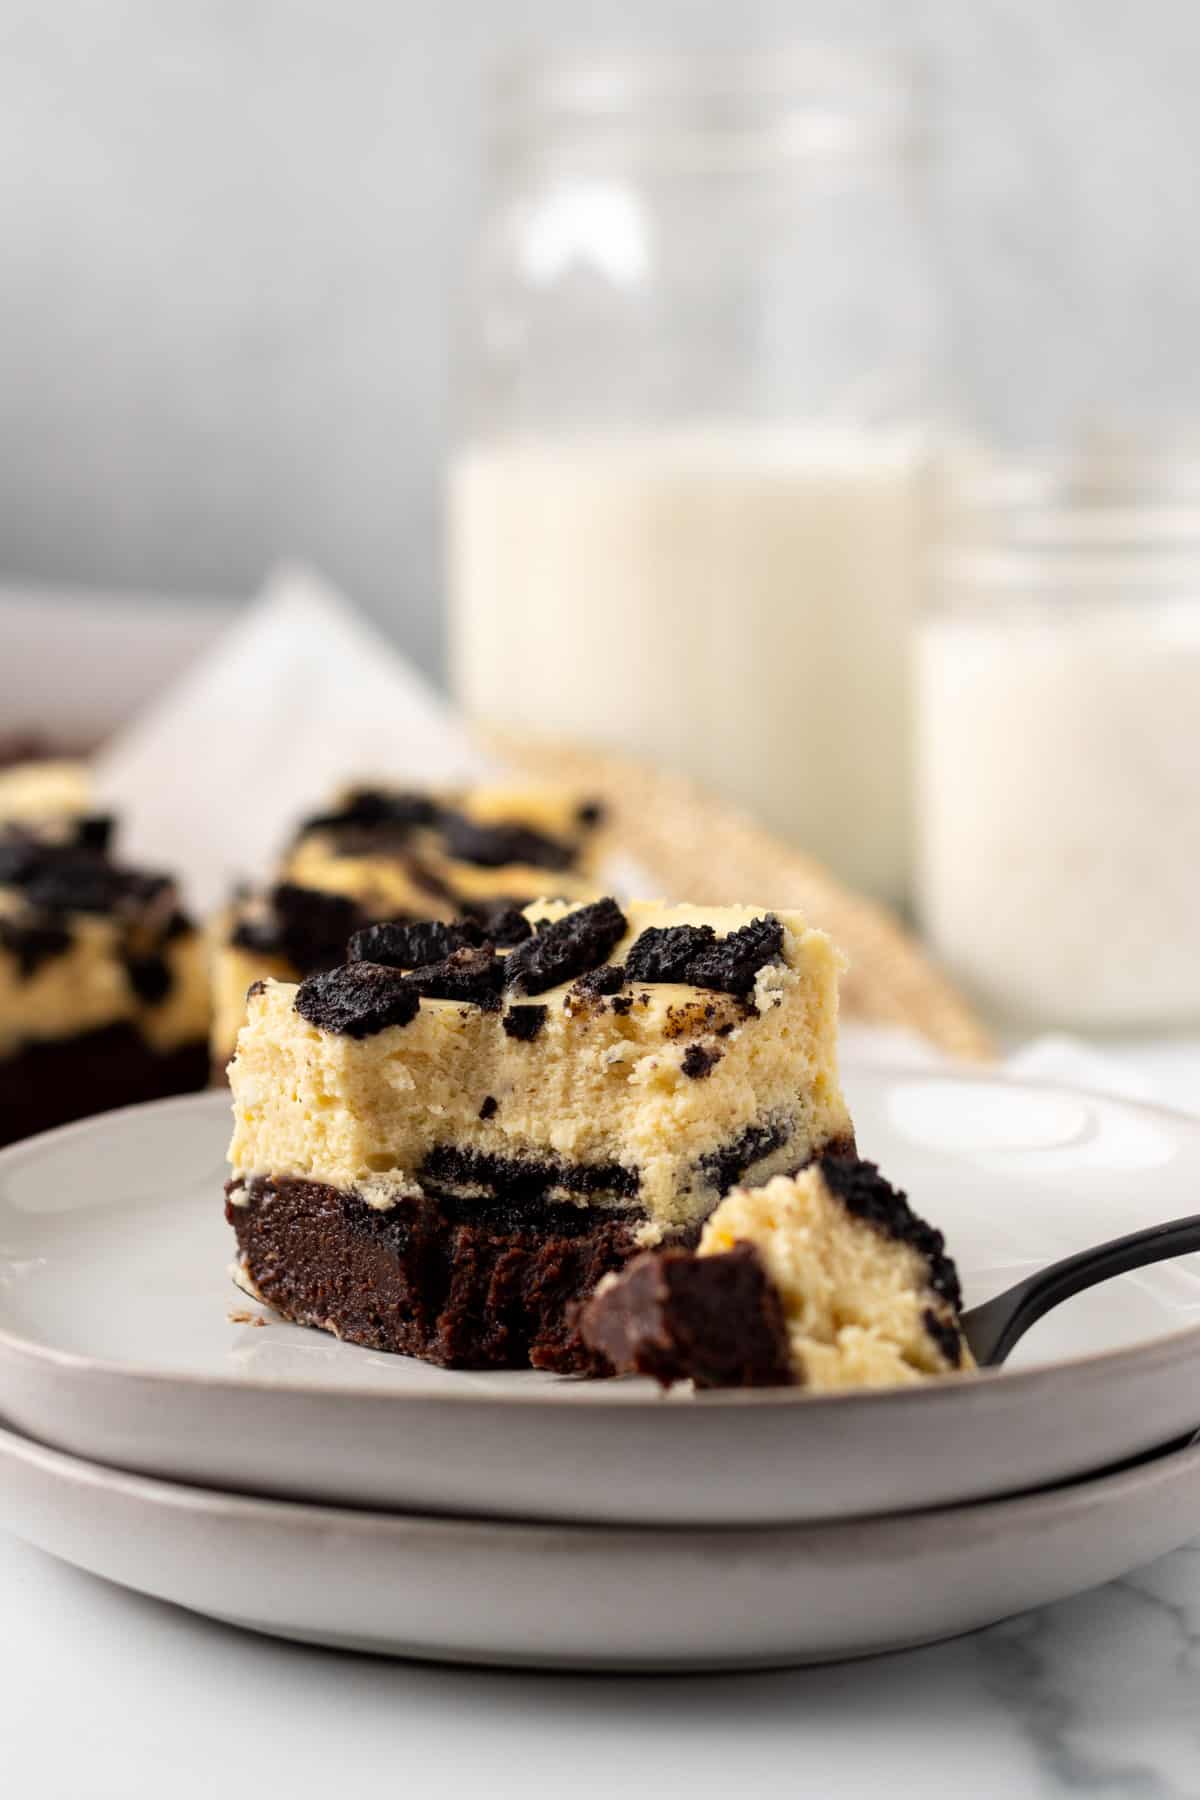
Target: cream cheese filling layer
{"x":595,"y":1087}
{"x":855,"y":1300}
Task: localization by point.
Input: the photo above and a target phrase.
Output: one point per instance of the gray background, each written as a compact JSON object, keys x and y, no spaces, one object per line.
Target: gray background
{"x":230,"y":233}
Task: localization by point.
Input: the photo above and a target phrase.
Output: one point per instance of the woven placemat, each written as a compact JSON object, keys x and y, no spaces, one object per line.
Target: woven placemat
{"x":698,"y":849}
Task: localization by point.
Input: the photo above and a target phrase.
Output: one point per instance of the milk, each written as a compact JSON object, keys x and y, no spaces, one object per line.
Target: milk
{"x":735,"y":604}
{"x":1059,"y":756}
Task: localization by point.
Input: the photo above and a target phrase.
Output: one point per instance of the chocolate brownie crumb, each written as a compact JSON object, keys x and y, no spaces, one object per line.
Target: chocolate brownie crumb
{"x":945,"y":1335}
{"x":405,"y":944}
{"x":492,"y":846}
{"x":869,"y":1196}
{"x":306,"y":926}
{"x":150,"y":978}
{"x":490,"y":1107}
{"x":566,"y":948}
{"x":524,"y":1022}
{"x":717,"y":1320}
{"x":472,"y":974}
{"x":33,"y":943}
{"x":357,"y":1000}
{"x":699,"y":1061}
{"x":609,"y":978}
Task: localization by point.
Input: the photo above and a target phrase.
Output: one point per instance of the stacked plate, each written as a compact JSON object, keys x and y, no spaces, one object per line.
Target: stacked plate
{"x":170,"y":1435}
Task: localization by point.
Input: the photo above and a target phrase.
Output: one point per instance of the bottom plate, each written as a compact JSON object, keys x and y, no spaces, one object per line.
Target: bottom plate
{"x":555,"y":1596}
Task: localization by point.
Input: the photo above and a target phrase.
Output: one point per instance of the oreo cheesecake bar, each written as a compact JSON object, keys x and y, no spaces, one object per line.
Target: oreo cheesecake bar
{"x":825,"y":1280}
{"x":442,"y":1146}
{"x":385,"y":853}
{"x":103,"y":985}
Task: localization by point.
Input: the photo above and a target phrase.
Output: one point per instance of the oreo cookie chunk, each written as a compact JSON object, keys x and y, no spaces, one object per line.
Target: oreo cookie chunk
{"x":563,"y":949}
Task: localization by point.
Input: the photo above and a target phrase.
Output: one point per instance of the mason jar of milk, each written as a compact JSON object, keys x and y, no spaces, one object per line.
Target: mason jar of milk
{"x":687,"y":508}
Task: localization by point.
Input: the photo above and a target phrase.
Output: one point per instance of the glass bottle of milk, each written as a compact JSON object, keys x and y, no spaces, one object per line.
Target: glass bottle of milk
{"x":687,"y":512}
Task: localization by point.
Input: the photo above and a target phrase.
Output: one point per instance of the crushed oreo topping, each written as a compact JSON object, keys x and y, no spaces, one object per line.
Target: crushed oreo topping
{"x":474,"y":974}
{"x":504,"y":923}
{"x":666,"y":952}
{"x":490,"y":1107}
{"x":622,"y":1004}
{"x":307,"y":926}
{"x":357,"y":1000}
{"x":507,"y":841}
{"x":403,"y":944}
{"x":696,"y":955}
{"x":94,"y":831}
{"x":524,"y":1022}
{"x":609,"y":978}
{"x":256,"y":987}
{"x":368,"y":808}
{"x":150,"y":978}
{"x":63,"y":878}
{"x":699,"y":1061}
{"x":869,"y":1196}
{"x":945,"y":1335}
{"x":32,"y":943}
{"x":566,"y":948}
{"x":590,"y":814}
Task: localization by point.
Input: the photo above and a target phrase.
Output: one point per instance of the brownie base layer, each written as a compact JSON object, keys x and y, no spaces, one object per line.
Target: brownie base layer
{"x":468,"y":1284}
{"x":716,"y":1320}
{"x":52,"y":1083}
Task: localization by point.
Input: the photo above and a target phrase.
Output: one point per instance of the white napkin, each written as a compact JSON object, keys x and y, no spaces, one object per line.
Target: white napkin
{"x":299,"y":695}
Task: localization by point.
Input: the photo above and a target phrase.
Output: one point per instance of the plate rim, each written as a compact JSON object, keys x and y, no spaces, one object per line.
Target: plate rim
{"x":617,"y":1395}
{"x":231,"y":1505}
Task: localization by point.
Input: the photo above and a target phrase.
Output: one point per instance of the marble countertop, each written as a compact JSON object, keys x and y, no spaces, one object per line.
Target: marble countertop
{"x":108,"y":1696}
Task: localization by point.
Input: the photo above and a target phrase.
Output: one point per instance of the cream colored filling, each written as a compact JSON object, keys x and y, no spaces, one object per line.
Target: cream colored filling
{"x":87,"y":987}
{"x":34,"y":792}
{"x":853,"y":1299}
{"x":594,"y":1087}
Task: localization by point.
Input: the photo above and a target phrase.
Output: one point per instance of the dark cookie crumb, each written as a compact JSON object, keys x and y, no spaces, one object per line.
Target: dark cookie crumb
{"x":566,"y":948}
{"x":490,"y":1107}
{"x":699,"y":1061}
{"x":609,"y":978}
{"x":524,"y":1022}
{"x":666,"y":952}
{"x":256,"y":987}
{"x":516,"y":1181}
{"x":726,"y":1166}
{"x":472,"y":974}
{"x":492,"y":846}
{"x":306,"y":926}
{"x":503,"y":922}
{"x":357,"y":1000}
{"x":413,"y":944}
{"x":591,"y":814}
{"x":62,"y":878}
{"x":33,"y":944}
{"x":95,"y":832}
{"x":869,"y":1196}
{"x":150,"y":978}
{"x":622,"y":1003}
{"x":945,"y":1335}
{"x":367,"y":808}
{"x":696,"y":955}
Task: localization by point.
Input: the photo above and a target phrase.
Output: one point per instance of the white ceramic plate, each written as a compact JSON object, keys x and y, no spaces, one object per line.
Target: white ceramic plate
{"x":561,"y":1596}
{"x":119,"y":1340}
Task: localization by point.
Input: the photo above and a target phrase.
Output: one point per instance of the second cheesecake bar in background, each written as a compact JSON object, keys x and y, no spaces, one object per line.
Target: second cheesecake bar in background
{"x":381,"y":852}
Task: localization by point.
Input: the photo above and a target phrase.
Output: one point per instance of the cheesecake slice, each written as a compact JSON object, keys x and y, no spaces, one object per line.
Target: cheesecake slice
{"x":825,"y":1280}
{"x":103,"y":985}
{"x":387,"y":853}
{"x":442,"y":1145}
